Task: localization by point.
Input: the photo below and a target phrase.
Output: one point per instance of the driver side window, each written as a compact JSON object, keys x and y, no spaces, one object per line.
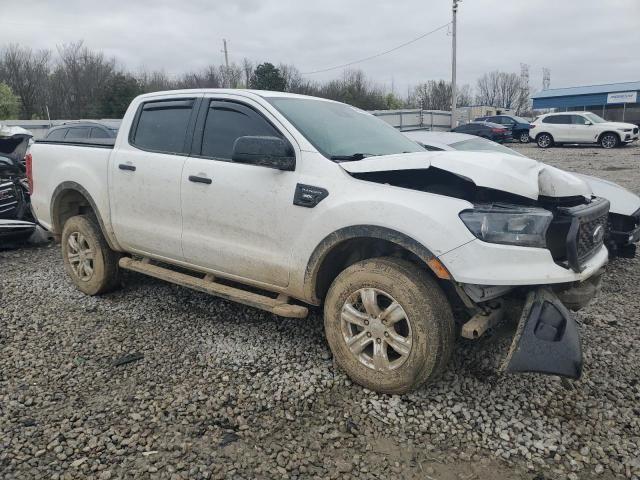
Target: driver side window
{"x":225,"y":123}
{"x":578,"y":120}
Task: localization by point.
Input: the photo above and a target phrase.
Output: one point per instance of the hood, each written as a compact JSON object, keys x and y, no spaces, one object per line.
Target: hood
{"x":618,"y":125}
{"x":622,"y":200}
{"x":14,"y":142}
{"x":508,"y":173}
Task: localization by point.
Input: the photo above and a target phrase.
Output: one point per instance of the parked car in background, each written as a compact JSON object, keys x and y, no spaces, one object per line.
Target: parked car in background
{"x":581,"y":127}
{"x":519,"y":126}
{"x":83,"y":131}
{"x":492,"y":131}
{"x":275,"y":200}
{"x":623,"y":222}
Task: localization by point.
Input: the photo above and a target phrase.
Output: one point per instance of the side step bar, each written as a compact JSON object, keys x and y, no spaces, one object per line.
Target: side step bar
{"x":278,"y":306}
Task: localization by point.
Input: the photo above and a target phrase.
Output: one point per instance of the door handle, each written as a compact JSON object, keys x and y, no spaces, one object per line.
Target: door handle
{"x":126,"y":166}
{"x":196,"y":179}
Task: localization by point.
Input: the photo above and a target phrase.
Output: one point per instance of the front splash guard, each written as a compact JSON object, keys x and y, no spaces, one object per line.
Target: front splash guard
{"x":547,"y":339}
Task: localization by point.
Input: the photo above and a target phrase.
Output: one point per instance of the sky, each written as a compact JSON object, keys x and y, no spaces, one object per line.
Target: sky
{"x":582,"y":42}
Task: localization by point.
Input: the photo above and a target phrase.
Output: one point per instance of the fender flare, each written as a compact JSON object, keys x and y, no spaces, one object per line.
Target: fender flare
{"x":357,"y":231}
{"x":57,"y":229}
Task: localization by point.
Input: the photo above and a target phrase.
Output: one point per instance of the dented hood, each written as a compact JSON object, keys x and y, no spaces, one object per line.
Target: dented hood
{"x":14,"y":143}
{"x":508,"y":173}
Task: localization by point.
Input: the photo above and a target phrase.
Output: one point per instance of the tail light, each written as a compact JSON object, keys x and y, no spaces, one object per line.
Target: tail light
{"x":28,"y":160}
{"x":532,"y":126}
{"x":498,"y":130}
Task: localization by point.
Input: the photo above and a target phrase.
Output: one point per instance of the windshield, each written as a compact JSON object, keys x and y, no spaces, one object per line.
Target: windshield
{"x":520,"y":119}
{"x":338,"y":130}
{"x":594,"y":118}
{"x":482,"y":145}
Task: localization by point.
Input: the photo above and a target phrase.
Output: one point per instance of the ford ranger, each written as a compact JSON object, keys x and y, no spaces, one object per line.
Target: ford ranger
{"x":279,"y":201}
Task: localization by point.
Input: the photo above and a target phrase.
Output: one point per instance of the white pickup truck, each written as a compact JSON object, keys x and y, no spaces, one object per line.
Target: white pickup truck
{"x":277,"y":200}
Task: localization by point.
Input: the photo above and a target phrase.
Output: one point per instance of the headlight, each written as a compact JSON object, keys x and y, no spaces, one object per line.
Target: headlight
{"x":508,"y":224}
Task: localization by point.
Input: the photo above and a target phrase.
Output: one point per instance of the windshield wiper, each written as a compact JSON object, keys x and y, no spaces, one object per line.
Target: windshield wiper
{"x":351,"y":158}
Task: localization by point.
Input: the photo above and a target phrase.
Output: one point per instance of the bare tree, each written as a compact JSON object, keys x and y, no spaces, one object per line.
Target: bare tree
{"x":26,"y":72}
{"x":247,"y":69}
{"x":79,"y":79}
{"x":499,"y":89}
{"x":436,"y":95}
{"x":155,"y":81}
{"x":231,"y":77}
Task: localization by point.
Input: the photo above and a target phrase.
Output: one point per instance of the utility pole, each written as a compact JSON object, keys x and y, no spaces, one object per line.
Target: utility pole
{"x":226,"y":61}
{"x":454,"y":91}
{"x":226,"y":53}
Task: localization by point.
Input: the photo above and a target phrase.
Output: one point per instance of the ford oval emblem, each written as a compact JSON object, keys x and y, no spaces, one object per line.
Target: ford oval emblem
{"x":598,"y":234}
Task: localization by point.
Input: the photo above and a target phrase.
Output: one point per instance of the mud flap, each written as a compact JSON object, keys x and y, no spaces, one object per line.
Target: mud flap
{"x":547,"y":339}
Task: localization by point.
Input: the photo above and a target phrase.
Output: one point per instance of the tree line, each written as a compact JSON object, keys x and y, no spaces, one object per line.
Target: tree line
{"x":77,"y":82}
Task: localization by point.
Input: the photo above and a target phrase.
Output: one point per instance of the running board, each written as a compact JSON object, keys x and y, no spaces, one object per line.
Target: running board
{"x":278,"y":306}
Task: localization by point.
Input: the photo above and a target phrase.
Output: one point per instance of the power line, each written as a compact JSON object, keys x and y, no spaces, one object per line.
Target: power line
{"x":371,"y":57}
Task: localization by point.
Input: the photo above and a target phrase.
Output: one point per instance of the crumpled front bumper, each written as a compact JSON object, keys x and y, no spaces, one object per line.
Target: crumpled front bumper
{"x":547,"y":339}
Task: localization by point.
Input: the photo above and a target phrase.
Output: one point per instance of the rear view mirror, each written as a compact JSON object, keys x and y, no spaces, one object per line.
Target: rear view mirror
{"x":271,"y":152}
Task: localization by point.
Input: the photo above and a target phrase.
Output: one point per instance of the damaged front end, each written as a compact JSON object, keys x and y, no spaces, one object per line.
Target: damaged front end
{"x":16,"y":220}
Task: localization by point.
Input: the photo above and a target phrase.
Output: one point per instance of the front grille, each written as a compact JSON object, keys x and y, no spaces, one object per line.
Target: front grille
{"x":577,"y":233}
{"x":8,"y":200}
{"x":590,"y":237}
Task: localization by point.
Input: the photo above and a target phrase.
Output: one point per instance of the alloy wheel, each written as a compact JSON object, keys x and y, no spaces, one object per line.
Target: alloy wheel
{"x":609,"y":141}
{"x":81,"y":256}
{"x":376,"y":329}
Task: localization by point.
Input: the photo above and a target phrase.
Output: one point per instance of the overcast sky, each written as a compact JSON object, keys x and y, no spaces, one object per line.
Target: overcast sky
{"x":581,"y":41}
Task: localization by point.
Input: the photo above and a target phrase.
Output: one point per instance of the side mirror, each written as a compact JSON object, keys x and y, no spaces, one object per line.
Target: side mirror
{"x":271,"y":152}
{"x":587,"y":122}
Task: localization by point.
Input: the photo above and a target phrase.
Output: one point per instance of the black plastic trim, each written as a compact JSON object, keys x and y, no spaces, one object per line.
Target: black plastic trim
{"x":64,"y":186}
{"x":356,"y":231}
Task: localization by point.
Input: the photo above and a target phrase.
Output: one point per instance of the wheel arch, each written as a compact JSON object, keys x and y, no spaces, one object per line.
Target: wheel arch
{"x":610,"y":131}
{"x":70,"y":199}
{"x":349,"y":245}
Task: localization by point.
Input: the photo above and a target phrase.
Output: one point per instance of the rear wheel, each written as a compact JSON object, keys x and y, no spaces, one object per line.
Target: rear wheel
{"x":544,"y":140}
{"x":88,"y":260}
{"x":524,"y":137}
{"x":388,"y":324}
{"x":609,"y":140}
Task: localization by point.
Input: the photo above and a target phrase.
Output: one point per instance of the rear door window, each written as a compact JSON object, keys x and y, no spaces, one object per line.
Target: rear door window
{"x":226,"y":122}
{"x":162,"y":126}
{"x":558,"y":119}
{"x":97,"y":132}
{"x":57,"y":134}
{"x":77,"y":133}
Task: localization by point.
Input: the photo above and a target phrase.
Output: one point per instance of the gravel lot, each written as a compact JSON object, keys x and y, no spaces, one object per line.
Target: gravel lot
{"x":224,"y":391}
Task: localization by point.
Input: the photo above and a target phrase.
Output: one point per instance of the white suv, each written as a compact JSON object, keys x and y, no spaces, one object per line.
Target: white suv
{"x":581,"y":127}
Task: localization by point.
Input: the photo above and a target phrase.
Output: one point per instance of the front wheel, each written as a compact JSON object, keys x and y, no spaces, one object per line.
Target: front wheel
{"x":524,"y":137}
{"x":88,"y":260}
{"x":544,"y":140}
{"x":388,"y":324}
{"x":609,"y":140}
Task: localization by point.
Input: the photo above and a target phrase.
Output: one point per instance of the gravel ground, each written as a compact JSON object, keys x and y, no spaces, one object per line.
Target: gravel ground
{"x":224,"y":391}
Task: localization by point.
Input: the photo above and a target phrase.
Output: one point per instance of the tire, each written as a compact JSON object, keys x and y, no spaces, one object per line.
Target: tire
{"x":544,"y":140}
{"x":609,"y":140}
{"x":423,"y":325}
{"x":88,"y":260}
{"x":524,"y":137}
